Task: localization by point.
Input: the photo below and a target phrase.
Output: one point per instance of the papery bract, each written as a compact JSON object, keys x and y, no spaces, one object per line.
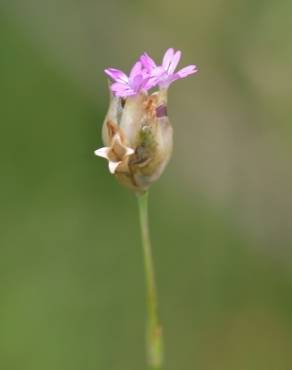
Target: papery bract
{"x":138,"y":139}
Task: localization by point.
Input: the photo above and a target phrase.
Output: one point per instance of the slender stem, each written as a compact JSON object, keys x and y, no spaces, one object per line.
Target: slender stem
{"x":153,"y":332}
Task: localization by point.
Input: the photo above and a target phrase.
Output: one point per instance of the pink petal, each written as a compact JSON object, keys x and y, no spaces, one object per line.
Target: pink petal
{"x":118,"y":86}
{"x":124,"y":95}
{"x":137,"y":83}
{"x":150,"y":82}
{"x":189,"y":70}
{"x":122,"y":90}
{"x":174,"y":62}
{"x":136,"y":70}
{"x":147,"y":62}
{"x":167,"y":58}
{"x":116,"y":75}
{"x":167,"y":80}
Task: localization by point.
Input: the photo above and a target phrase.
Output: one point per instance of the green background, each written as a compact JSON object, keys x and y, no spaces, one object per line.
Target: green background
{"x":72,"y":283}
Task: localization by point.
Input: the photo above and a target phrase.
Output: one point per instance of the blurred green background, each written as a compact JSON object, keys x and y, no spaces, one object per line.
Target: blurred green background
{"x":72,"y":282}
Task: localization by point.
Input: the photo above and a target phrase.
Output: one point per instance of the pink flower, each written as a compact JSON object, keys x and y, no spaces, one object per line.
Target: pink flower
{"x":165,"y":74}
{"x":137,"y":81}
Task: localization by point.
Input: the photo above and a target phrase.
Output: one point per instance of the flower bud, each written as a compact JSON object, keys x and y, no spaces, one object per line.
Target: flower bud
{"x":138,"y":138}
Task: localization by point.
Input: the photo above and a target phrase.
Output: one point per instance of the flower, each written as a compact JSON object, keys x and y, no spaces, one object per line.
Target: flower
{"x":136,"y":132}
{"x":137,"y":81}
{"x":165,"y":74}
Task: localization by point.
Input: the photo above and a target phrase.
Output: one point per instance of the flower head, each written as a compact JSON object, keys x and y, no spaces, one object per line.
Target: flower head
{"x":165,"y":74}
{"x":137,"y":134}
{"x":137,"y":81}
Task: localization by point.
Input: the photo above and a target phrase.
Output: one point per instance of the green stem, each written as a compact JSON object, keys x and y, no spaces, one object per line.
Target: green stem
{"x":153,"y":332}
